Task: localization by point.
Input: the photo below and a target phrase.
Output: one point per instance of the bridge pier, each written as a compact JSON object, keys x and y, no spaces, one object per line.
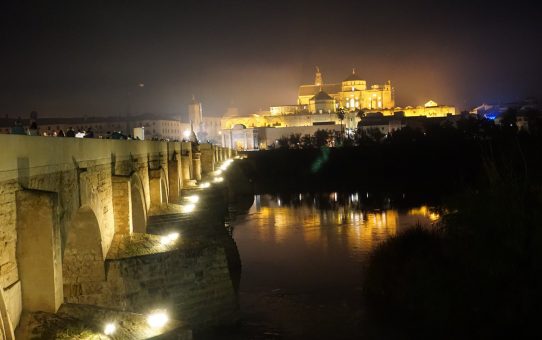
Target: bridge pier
{"x":207,"y":158}
{"x":196,"y":166}
{"x":175,"y":177}
{"x":122,"y":204}
{"x":186,"y":163}
{"x":38,"y":251}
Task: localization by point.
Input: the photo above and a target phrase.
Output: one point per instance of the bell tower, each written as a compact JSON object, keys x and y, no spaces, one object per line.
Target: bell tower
{"x":195,"y":114}
{"x":318,"y":81}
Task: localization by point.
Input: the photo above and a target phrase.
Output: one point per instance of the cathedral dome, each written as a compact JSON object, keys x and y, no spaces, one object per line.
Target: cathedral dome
{"x":322,"y":96}
{"x":353,"y":76}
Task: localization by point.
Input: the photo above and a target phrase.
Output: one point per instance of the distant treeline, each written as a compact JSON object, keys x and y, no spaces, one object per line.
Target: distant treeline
{"x":441,"y":158}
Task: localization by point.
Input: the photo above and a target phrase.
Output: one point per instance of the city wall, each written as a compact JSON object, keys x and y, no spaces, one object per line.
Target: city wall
{"x":63,"y":200}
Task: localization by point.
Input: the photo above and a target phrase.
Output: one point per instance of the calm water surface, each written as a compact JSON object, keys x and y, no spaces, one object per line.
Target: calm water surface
{"x":302,"y":258}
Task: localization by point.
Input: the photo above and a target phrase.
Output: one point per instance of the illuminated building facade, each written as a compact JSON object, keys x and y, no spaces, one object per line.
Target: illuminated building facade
{"x":206,"y":128}
{"x":352,"y":93}
{"x":316,"y":108}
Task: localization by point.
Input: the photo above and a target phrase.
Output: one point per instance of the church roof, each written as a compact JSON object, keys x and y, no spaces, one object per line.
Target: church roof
{"x":322,"y":96}
{"x":312,"y":90}
{"x":431,"y":103}
{"x":353,"y":76}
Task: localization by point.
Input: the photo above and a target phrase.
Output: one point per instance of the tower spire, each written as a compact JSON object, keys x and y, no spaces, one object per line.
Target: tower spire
{"x":318,"y":77}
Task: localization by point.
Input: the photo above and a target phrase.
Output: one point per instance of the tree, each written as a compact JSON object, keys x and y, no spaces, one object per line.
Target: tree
{"x":321,"y":138}
{"x":306,"y":141}
{"x":375,"y":134}
{"x":282,"y":142}
{"x":341,"y":114}
{"x":361,"y":114}
{"x":295,"y":140}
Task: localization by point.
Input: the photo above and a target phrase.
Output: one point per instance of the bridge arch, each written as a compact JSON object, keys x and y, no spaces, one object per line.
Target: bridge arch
{"x":139,"y":209}
{"x":83,"y":259}
{"x":6,"y":327}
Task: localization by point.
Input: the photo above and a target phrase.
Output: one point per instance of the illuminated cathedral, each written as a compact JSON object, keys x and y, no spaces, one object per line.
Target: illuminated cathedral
{"x":352,"y":93}
{"x":317,"y":106}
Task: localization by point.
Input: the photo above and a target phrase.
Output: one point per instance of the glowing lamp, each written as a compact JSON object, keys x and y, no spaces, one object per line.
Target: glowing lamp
{"x":186,"y":133}
{"x":110,"y":328}
{"x":188,"y":208}
{"x":192,"y":199}
{"x":173,"y":236}
{"x":205,"y":185}
{"x":218,"y":179}
{"x":157,"y":319}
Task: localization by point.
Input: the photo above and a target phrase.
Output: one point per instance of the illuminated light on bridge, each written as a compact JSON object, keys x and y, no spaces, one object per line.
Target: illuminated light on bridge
{"x":157,"y":319}
{"x":192,"y":199}
{"x":169,"y":238}
{"x":110,"y":329}
{"x":218,"y":179}
{"x":188,"y":208}
{"x":205,"y":185}
{"x":226,"y":164}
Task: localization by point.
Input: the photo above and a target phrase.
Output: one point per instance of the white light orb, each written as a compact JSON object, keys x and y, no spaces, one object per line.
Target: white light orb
{"x":188,"y":208}
{"x":157,"y":319}
{"x":110,"y":328}
{"x":173,"y":236}
{"x":192,"y":199}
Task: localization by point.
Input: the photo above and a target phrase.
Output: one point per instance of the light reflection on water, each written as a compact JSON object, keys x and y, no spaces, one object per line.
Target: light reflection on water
{"x":304,"y":242}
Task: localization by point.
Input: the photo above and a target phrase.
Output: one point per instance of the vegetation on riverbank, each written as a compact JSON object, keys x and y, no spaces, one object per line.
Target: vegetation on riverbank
{"x":479,"y":274}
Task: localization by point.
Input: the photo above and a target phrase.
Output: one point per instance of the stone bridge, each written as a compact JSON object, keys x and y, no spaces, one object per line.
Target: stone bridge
{"x":68,"y":204}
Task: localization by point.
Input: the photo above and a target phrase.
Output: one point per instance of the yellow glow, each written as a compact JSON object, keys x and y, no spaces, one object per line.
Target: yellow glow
{"x":186,"y":133}
{"x":169,"y":238}
{"x":218,"y":172}
{"x":157,"y":319}
{"x":225,"y":165}
{"x":173,"y":236}
{"x":192,"y":199}
{"x":110,"y":328}
{"x":205,"y":185}
{"x":426,"y":212}
{"x":218,"y":179}
{"x":188,"y":208}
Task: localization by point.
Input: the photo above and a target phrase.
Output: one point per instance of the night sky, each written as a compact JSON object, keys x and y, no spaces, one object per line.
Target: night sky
{"x":88,"y":57}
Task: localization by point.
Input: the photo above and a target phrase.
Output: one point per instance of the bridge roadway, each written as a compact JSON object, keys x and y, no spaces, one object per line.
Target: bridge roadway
{"x":82,"y":223}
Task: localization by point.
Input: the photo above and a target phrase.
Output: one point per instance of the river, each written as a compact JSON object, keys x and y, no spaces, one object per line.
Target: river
{"x":302,"y":259}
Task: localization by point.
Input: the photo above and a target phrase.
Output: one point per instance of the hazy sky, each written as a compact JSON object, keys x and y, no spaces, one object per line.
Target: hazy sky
{"x":88,"y":57}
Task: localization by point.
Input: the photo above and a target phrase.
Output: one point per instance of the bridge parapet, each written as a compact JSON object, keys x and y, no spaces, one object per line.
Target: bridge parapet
{"x":108,"y":186}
